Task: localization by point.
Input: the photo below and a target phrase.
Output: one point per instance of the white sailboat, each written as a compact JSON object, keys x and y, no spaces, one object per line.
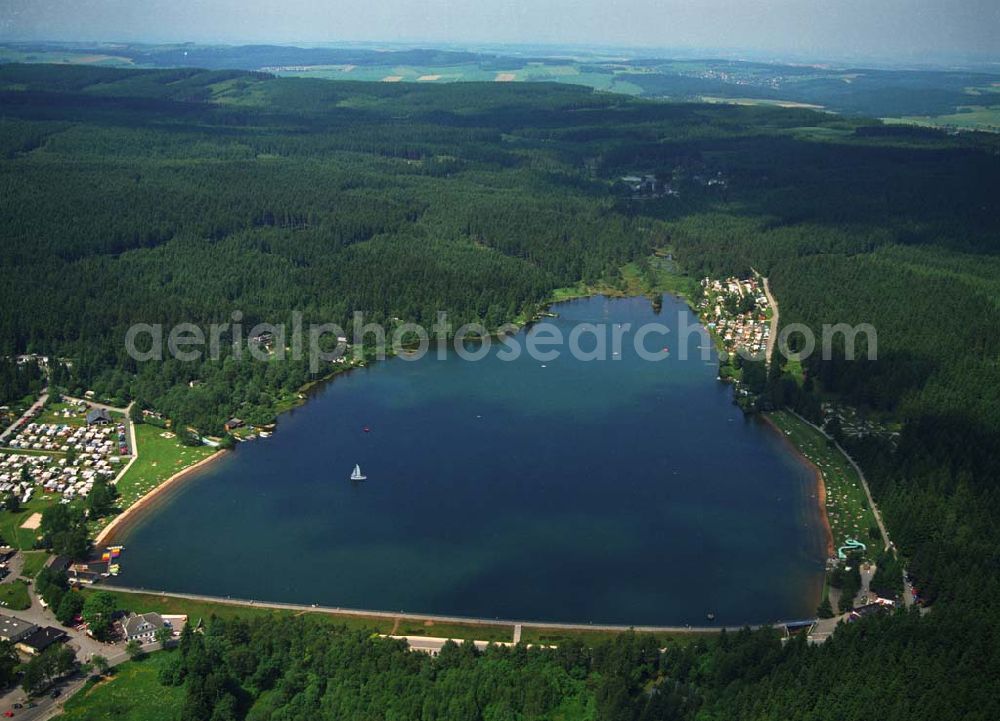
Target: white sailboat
{"x":356,"y":474}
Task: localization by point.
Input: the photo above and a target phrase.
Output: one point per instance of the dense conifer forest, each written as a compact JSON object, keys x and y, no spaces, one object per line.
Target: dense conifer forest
{"x":183,"y":195}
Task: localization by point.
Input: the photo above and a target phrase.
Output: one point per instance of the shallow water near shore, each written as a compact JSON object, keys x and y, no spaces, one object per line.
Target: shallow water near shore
{"x":620,"y":491}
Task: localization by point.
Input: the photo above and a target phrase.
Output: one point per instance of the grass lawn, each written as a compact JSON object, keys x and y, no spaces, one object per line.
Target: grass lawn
{"x":434,"y":629}
{"x":846,"y":503}
{"x":54,"y":413}
{"x":10,"y":523}
{"x":33,"y":562}
{"x":14,"y":595}
{"x":556,"y":636}
{"x":132,"y":693}
{"x":160,"y":456}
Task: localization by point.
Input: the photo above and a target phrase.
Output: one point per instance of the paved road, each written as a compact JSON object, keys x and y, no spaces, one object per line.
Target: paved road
{"x":37,"y":405}
{"x":84,"y":646}
{"x":867,"y":572}
{"x":393,"y":615}
{"x":433,"y":646}
{"x":14,"y":565}
{"x":773,"y":338}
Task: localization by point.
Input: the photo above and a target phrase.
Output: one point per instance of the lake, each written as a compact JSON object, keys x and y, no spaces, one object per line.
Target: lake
{"x":619,"y":491}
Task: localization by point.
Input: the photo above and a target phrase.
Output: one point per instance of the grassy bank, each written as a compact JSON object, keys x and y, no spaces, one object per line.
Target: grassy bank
{"x":846,"y":504}
{"x":400,"y":626}
{"x":161,"y":455}
{"x":557,"y":636}
{"x":141,"y":602}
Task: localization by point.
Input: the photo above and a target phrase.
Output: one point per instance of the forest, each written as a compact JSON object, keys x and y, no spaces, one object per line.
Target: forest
{"x":183,"y":195}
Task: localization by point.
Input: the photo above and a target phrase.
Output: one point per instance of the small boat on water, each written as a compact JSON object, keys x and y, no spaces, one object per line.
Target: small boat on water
{"x":356,"y":474}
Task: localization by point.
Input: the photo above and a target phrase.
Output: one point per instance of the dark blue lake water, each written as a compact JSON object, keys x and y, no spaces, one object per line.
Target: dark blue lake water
{"x":618,"y":491}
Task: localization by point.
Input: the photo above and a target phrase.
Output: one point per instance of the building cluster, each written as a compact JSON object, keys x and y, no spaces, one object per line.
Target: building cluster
{"x":27,"y":637}
{"x":736,"y":76}
{"x":648,"y":185}
{"x":62,"y":457}
{"x":736,"y":310}
{"x":142,"y":627}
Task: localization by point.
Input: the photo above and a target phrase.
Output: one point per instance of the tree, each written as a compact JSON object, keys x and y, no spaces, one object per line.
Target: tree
{"x":52,"y":663}
{"x":100,"y":664}
{"x":163,"y":635}
{"x":825,"y":610}
{"x":12,"y":503}
{"x":98,"y":611}
{"x":134,"y":649}
{"x":8,"y":663}
{"x":69,"y":607}
{"x":101,"y":499}
{"x":51,"y":585}
{"x":64,"y":530}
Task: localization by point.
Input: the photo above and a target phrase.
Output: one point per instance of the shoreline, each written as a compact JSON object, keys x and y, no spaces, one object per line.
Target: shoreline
{"x":121,"y":522}
{"x":820,"y":482}
{"x":149,"y":501}
{"x":440,"y":618}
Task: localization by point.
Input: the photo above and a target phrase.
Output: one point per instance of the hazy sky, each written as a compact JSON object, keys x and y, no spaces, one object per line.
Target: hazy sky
{"x":909,"y":28}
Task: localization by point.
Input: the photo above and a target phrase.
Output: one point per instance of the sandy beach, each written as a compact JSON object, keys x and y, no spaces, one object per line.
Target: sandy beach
{"x":121,"y":521}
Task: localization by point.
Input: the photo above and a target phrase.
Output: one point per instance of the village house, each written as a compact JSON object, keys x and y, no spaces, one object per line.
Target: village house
{"x":98,"y":416}
{"x":141,"y":627}
{"x":40,"y":639}
{"x":14,"y":629}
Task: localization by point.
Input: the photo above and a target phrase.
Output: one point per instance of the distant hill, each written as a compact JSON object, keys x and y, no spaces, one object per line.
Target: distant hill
{"x":952,"y":99}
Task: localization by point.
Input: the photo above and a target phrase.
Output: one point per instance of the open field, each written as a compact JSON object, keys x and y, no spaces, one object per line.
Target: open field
{"x":33,"y":562}
{"x":132,"y":693}
{"x":10,"y":523}
{"x":967,"y":117}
